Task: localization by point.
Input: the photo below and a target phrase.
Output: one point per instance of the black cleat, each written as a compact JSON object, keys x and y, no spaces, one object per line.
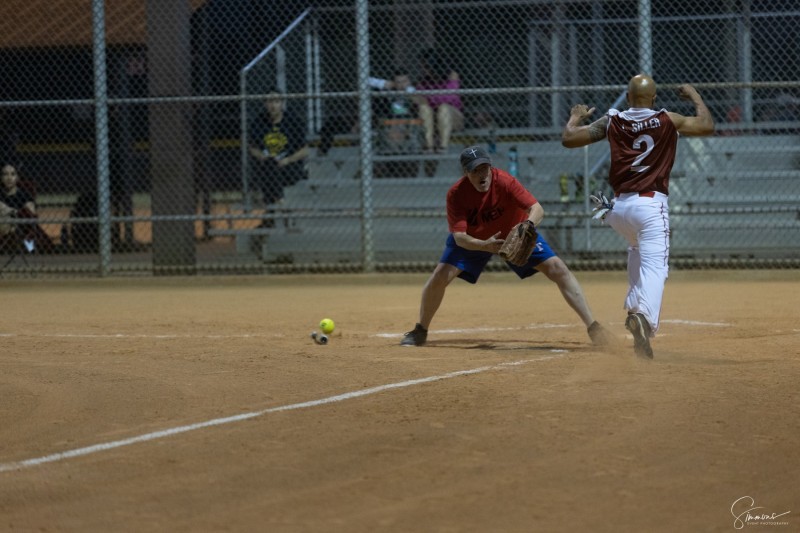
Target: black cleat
{"x":637,"y":324}
{"x":415,"y":337}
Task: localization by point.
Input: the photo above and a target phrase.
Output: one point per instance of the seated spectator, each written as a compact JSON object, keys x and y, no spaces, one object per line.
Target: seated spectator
{"x":346,"y":119}
{"x":17,"y":202}
{"x":400,"y":106}
{"x":441,"y":114}
{"x":278,"y":148}
{"x":396,"y":119}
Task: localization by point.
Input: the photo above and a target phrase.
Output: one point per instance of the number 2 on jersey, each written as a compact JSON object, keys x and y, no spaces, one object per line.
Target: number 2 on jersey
{"x":637,"y":145}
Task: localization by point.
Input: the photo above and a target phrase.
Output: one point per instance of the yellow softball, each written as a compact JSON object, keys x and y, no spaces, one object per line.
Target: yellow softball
{"x":326,"y":325}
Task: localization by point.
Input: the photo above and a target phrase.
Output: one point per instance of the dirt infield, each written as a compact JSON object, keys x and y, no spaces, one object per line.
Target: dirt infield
{"x":507,"y":421}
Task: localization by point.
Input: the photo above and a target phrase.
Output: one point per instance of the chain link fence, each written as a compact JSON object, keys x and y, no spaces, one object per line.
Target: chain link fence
{"x":241,"y":136}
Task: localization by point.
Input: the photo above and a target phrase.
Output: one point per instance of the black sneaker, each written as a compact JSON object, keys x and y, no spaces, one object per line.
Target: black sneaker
{"x":415,"y":337}
{"x":637,"y":324}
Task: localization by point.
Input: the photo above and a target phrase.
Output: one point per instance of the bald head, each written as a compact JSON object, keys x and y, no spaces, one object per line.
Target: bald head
{"x":641,"y":91}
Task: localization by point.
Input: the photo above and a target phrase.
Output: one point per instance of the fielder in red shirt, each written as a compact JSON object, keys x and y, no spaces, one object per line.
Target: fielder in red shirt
{"x":482,"y":207}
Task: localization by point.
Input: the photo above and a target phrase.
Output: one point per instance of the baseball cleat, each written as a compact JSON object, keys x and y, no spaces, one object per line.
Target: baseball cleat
{"x":415,"y":337}
{"x":637,"y":324}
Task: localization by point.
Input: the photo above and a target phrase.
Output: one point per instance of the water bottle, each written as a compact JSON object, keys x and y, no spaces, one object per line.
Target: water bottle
{"x":513,"y":161}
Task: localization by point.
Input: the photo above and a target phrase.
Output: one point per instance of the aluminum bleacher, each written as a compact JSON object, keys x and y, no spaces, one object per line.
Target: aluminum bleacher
{"x":723,"y":190}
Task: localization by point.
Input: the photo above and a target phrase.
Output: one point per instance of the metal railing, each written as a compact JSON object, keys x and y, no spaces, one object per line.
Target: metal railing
{"x":280,"y":83}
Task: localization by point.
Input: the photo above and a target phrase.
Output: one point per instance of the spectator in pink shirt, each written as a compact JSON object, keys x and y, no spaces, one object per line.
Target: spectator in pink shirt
{"x":441,"y":114}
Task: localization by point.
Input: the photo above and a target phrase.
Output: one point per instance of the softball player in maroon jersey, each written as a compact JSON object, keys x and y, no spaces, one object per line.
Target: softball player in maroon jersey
{"x":643,"y":145}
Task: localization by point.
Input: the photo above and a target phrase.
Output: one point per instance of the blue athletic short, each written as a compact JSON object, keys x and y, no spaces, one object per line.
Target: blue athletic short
{"x":472,"y":262}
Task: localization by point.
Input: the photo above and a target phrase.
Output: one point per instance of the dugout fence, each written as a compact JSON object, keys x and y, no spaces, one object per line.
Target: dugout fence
{"x":133,"y":124}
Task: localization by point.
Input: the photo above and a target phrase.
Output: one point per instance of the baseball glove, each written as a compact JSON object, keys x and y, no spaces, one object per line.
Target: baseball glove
{"x":519,"y":243}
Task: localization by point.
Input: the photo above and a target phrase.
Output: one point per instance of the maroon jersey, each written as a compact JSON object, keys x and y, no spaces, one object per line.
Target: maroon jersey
{"x":643,"y":145}
{"x":482,"y":214}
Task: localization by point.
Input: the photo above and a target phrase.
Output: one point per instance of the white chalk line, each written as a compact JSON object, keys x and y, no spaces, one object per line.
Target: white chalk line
{"x":87,"y":450}
{"x":480,"y":330}
{"x":543,"y":326}
{"x":696,"y":323}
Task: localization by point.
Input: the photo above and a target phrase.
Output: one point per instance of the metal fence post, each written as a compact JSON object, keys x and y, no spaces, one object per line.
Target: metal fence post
{"x":365,"y":123}
{"x":101,"y":134}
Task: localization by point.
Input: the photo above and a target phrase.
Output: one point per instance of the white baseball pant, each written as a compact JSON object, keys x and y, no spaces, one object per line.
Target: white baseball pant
{"x":644,"y":222}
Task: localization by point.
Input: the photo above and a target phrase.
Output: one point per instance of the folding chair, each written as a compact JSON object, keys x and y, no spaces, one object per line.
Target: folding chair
{"x":23,"y":239}
{"x":19,"y":242}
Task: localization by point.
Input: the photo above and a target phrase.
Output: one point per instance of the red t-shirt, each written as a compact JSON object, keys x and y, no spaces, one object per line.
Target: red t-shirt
{"x":643,"y":145}
{"x":482,"y":214}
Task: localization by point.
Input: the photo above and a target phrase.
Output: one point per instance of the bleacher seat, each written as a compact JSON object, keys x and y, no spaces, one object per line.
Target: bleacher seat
{"x":409,"y":212}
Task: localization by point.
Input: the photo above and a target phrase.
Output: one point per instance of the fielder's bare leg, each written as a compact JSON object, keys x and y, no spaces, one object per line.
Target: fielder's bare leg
{"x":557,"y":271}
{"x":432,"y":296}
{"x":433,"y":292}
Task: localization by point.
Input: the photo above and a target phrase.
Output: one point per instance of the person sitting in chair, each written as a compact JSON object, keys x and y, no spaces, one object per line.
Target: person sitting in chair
{"x":16,"y":203}
{"x":279,"y":149}
{"x":441,"y":114}
{"x":12,"y":197}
